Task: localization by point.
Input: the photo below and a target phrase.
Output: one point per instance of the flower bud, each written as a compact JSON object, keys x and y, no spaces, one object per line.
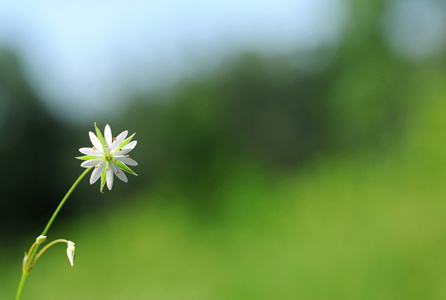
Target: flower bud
{"x":40,"y":239}
{"x":70,"y":252}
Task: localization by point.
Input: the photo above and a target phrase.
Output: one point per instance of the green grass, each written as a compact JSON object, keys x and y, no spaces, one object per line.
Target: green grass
{"x":369,"y":227}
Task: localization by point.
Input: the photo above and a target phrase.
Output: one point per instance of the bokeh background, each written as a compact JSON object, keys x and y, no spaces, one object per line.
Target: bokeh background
{"x":286,"y":149}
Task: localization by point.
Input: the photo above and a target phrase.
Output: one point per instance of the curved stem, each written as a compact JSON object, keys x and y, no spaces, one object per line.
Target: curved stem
{"x":63,"y":201}
{"x":44,"y":249}
{"x":33,"y":250}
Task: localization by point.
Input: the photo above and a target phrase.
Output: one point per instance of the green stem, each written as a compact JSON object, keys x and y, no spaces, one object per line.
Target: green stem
{"x":63,"y":201}
{"x":22,"y":283}
{"x":45,"y":248}
{"x":33,"y":250}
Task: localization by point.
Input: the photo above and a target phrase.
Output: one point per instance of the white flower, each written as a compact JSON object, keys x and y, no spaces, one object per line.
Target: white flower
{"x":108,"y":156}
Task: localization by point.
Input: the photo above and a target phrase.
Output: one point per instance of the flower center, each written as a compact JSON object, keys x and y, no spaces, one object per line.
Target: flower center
{"x":108,"y":156}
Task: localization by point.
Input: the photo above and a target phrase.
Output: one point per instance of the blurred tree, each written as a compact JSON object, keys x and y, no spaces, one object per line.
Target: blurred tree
{"x":30,"y":143}
{"x":279,"y":110}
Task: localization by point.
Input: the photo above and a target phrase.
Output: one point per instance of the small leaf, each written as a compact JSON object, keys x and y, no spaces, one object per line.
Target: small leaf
{"x":87,"y":157}
{"x":124,"y":167}
{"x":25,"y":260}
{"x":103,"y":177}
{"x":100,"y":137}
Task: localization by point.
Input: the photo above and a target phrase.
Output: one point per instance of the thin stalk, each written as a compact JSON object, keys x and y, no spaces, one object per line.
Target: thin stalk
{"x":45,"y":248}
{"x":22,"y":283}
{"x":63,"y":201}
{"x":30,"y":260}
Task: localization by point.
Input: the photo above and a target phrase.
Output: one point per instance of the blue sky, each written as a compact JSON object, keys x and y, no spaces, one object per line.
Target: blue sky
{"x":83,"y":56}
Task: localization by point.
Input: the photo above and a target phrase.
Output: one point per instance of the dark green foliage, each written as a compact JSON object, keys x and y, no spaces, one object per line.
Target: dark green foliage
{"x":29,"y":146}
{"x":267,"y":109}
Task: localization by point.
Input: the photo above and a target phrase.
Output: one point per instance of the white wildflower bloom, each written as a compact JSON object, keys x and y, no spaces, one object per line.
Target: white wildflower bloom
{"x":109,"y":155}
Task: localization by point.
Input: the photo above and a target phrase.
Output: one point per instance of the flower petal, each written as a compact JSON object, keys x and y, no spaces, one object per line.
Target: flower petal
{"x":121,"y":137}
{"x":109,"y":178}
{"x":119,"y":173}
{"x":126,"y":160}
{"x":125,"y":142}
{"x":89,"y":151}
{"x":130,"y":145}
{"x":97,"y":172}
{"x":127,"y":148}
{"x":95,"y":141}
{"x":91,"y":163}
{"x":108,"y":136}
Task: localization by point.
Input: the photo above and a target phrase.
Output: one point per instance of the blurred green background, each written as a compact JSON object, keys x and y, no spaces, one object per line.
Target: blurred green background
{"x":318,"y":173}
